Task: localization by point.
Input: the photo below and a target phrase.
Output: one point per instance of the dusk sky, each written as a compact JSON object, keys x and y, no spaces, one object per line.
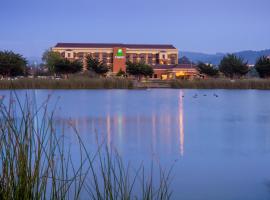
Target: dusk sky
{"x":31,"y":26}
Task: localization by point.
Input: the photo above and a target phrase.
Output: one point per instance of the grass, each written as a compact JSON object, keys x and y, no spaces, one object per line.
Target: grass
{"x":124,"y":83}
{"x":75,"y":83}
{"x":36,"y":162}
{"x":260,"y":84}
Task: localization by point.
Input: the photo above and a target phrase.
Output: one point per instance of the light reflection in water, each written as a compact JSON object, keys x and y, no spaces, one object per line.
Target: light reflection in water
{"x":154,"y":130}
{"x":108,"y":122}
{"x":181,"y":122}
{"x":120,"y":124}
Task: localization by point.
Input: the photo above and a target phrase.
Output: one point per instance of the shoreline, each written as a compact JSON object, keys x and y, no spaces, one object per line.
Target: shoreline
{"x":121,"y":83}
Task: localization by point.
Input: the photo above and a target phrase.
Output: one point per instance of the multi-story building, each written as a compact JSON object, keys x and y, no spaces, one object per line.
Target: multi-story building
{"x":162,"y":57}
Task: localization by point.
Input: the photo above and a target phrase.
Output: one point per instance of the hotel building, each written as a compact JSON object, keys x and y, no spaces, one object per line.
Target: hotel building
{"x":162,"y":57}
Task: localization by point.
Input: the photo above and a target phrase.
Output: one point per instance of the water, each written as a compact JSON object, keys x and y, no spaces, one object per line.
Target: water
{"x":219,"y":145}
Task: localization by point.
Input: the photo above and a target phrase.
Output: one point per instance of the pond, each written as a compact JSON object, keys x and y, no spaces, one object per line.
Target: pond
{"x":218,"y":141}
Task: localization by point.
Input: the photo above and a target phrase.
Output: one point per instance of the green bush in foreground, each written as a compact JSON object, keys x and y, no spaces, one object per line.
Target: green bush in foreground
{"x":37,"y":163}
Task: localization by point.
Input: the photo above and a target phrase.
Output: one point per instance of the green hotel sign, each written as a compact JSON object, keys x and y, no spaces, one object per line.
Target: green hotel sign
{"x":119,"y":53}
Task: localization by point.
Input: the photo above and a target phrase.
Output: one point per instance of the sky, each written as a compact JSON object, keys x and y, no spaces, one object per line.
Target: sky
{"x":29,"y":27}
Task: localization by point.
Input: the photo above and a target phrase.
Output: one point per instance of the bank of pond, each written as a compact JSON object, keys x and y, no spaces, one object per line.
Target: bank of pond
{"x":126,"y":83}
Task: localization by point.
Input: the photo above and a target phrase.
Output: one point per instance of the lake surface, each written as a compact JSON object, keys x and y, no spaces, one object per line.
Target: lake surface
{"x":217,"y":140}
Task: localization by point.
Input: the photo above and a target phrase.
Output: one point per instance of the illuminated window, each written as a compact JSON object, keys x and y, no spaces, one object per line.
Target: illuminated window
{"x":181,"y":73}
{"x":164,"y":76}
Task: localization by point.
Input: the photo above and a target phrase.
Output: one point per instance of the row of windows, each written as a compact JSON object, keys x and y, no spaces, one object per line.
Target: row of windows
{"x":108,"y":57}
{"x":80,"y":54}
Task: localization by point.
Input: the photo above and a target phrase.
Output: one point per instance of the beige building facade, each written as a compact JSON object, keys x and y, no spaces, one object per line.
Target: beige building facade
{"x":116,"y":55}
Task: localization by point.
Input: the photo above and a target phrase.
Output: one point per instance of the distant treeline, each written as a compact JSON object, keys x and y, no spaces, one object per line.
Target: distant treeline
{"x":231,"y":66}
{"x":12,"y":65}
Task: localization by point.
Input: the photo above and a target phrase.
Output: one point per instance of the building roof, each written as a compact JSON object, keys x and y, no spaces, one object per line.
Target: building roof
{"x":111,"y":45}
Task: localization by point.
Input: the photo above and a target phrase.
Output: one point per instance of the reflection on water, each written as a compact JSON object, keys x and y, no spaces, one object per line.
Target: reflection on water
{"x":223,"y":143}
{"x":117,"y":128}
{"x":181,"y":124}
{"x":108,"y":123}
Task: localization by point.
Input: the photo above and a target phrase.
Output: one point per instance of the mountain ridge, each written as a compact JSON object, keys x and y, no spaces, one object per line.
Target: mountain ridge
{"x":248,"y":55}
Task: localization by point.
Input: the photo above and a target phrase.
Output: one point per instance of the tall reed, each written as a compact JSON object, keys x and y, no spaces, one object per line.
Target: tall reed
{"x":37,"y":163}
{"x":261,"y":84}
{"x":75,"y":83}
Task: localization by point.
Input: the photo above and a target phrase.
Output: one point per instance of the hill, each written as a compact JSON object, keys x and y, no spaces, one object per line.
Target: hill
{"x":249,"y":56}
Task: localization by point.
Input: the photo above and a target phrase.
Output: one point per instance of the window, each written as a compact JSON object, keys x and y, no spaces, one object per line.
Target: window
{"x":104,"y":58}
{"x":68,"y":55}
{"x":150,"y":58}
{"x":173,"y":61}
{"x":110,"y":57}
{"x":128,"y":57}
{"x":157,"y":58}
{"x":142,"y":57}
{"x":135,"y":56}
{"x":80,"y":55}
{"x":96,"y":56}
{"x":173,"y":58}
{"x":104,"y":55}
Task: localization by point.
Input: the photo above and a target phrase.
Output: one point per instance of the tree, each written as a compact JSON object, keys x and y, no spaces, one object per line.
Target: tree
{"x":207,"y":69}
{"x":231,"y":66}
{"x":146,"y":70}
{"x":121,"y":73}
{"x":12,"y":64}
{"x":262,"y":66}
{"x":139,"y":69}
{"x":65,"y":66}
{"x":52,"y":58}
{"x":132,"y":69}
{"x":96,"y":66}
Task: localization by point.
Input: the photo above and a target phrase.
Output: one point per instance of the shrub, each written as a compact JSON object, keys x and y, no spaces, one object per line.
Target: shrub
{"x":12,"y":64}
{"x":231,"y":66}
{"x":262,"y":66}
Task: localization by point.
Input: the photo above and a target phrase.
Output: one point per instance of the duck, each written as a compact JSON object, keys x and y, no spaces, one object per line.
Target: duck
{"x":195,"y":96}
